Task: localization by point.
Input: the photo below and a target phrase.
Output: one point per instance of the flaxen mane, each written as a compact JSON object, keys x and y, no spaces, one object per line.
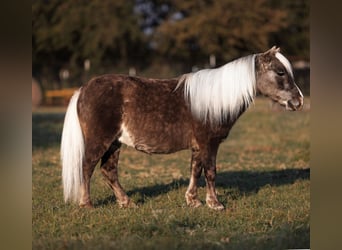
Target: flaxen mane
{"x":215,"y":94}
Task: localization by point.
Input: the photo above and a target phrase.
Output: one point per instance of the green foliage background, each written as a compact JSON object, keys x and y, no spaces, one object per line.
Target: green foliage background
{"x":158,"y":38}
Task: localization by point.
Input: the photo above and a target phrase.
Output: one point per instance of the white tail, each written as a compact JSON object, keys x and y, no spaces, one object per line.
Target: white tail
{"x":72,"y":152}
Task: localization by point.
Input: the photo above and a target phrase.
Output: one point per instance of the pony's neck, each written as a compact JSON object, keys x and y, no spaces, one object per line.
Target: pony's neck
{"x":216,"y":95}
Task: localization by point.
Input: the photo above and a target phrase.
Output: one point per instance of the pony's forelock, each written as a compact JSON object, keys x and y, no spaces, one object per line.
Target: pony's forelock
{"x":285,"y":62}
{"x":216,"y":95}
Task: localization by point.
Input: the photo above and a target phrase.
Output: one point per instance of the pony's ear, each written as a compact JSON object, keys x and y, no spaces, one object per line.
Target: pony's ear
{"x":267,"y":57}
{"x":272,"y":51}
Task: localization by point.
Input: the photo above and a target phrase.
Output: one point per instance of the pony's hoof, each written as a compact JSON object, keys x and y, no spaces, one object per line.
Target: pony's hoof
{"x":215,"y":205}
{"x":194,"y":203}
{"x":86,"y":205}
{"x":127,"y":204}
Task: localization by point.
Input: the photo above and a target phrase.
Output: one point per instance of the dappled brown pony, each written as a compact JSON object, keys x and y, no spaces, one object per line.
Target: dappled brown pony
{"x":195,"y":111}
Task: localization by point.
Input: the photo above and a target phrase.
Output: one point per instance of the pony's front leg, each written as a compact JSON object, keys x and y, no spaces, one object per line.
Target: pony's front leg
{"x":196,"y":170}
{"x":210,"y":175}
{"x":211,"y":197}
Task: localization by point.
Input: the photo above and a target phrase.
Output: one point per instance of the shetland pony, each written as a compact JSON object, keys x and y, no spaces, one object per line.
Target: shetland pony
{"x":194,"y":111}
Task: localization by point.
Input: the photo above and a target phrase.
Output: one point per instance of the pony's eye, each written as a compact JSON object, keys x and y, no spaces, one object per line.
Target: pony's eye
{"x":280,"y":72}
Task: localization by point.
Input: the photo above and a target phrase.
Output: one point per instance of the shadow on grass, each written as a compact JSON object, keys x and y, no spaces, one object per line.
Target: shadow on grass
{"x":46,"y":129}
{"x":284,"y":237}
{"x":247,"y":182}
{"x":287,"y":236}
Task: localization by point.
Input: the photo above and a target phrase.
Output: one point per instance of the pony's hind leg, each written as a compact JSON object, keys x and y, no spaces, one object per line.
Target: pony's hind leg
{"x":109,"y":168}
{"x":93,"y":153}
{"x":87,"y":169}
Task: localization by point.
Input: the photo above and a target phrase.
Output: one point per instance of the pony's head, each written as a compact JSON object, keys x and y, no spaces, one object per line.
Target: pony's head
{"x":274,"y":78}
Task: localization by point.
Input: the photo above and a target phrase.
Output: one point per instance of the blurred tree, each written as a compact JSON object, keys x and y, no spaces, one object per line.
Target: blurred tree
{"x":154,"y":34}
{"x":226,"y":28}
{"x":295,"y":36}
{"x":66,"y":33}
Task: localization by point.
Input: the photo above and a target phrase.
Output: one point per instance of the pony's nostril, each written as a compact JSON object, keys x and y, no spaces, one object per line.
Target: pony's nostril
{"x":296,"y":104}
{"x":291,"y":105}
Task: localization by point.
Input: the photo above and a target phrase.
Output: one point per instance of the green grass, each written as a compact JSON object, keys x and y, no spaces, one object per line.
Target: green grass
{"x":263,"y":181}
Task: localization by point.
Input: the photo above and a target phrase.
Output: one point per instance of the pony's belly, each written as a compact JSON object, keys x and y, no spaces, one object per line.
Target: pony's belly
{"x":154,"y":141}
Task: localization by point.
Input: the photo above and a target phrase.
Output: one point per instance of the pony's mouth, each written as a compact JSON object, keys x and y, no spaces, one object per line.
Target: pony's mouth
{"x":293,"y":104}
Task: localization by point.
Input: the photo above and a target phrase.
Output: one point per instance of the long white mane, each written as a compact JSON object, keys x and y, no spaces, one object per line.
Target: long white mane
{"x":216,"y":95}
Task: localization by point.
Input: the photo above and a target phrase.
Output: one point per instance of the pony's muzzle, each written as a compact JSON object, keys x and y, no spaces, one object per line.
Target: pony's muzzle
{"x":295,"y":104}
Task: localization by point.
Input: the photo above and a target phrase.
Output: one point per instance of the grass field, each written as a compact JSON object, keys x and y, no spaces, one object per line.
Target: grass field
{"x":263,"y":181}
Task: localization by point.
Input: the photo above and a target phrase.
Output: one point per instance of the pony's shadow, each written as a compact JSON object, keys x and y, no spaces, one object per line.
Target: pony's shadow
{"x":237,"y":183}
